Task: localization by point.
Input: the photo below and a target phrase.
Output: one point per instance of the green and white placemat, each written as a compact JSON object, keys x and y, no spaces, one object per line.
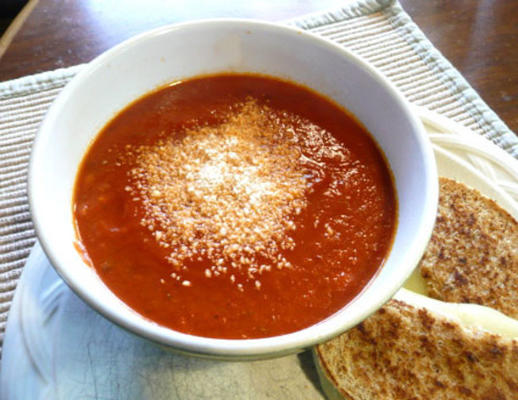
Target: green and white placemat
{"x":378,"y":30}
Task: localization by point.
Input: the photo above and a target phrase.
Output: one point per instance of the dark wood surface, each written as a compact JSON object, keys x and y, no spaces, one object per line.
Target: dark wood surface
{"x":480,"y":38}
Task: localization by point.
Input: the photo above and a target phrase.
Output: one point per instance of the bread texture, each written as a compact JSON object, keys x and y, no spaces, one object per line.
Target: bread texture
{"x":403,"y":352}
{"x":472,"y":256}
{"x":406,"y":351}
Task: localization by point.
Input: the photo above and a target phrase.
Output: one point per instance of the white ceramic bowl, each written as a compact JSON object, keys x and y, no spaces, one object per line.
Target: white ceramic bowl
{"x":152,"y":59}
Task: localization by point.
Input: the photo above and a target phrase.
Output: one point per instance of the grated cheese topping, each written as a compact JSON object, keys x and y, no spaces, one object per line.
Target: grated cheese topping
{"x":226,"y":193}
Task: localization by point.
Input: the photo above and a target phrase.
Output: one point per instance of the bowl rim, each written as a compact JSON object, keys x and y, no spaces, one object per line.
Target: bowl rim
{"x":234,"y":348}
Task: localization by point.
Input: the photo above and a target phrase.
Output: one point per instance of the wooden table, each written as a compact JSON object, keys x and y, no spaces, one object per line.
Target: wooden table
{"x":480,"y":38}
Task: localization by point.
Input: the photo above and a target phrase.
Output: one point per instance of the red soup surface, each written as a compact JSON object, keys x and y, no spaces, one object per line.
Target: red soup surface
{"x":235,"y":206}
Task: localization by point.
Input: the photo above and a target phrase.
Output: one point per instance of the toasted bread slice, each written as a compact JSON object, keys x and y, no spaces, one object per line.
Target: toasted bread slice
{"x":405,"y":351}
{"x":472,"y":256}
{"x":416,"y":347}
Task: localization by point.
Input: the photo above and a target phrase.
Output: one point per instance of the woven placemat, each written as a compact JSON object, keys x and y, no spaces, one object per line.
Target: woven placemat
{"x":378,"y":30}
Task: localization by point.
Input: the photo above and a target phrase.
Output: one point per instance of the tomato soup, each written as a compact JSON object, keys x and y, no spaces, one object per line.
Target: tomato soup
{"x":235,"y":206}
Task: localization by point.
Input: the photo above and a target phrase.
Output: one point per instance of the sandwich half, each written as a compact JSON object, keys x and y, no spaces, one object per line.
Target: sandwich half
{"x":417,"y":347}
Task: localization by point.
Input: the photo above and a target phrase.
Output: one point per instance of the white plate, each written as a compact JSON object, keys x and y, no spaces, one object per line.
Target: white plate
{"x":61,"y":349}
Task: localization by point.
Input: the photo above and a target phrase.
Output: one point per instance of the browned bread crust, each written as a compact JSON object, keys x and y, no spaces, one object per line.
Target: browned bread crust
{"x":402,"y":352}
{"x":472,"y":256}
